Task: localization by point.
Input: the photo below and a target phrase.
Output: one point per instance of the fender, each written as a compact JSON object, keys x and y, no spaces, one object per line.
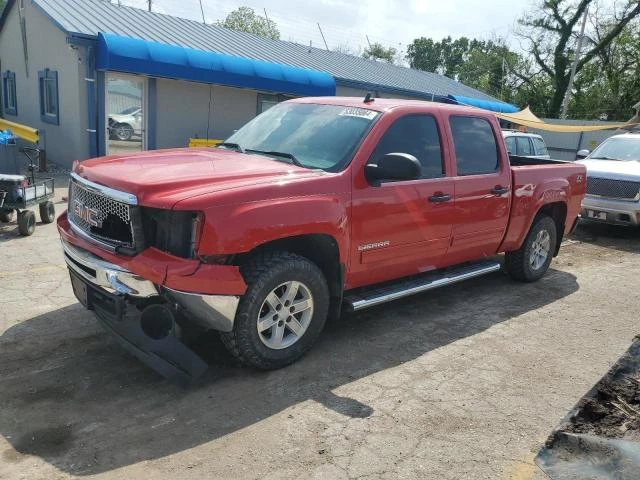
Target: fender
{"x":528,"y":199}
{"x":240,"y":228}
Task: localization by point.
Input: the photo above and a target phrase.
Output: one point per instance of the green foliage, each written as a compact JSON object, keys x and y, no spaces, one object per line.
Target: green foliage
{"x":245,"y":19}
{"x":378,"y":52}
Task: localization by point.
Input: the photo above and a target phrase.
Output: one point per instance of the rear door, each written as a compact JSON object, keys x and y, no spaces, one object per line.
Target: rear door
{"x":482,"y":187}
{"x":403,"y":227}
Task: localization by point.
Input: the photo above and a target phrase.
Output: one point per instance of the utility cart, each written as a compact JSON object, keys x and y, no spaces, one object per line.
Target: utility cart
{"x":20,"y":192}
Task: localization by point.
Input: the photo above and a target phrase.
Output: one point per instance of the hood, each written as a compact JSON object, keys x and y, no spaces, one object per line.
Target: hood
{"x":612,"y":169}
{"x":162,"y":178}
{"x":119,"y":117}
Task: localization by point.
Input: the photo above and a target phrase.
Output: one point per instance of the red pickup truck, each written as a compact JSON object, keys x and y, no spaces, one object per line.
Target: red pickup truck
{"x":315,"y":206}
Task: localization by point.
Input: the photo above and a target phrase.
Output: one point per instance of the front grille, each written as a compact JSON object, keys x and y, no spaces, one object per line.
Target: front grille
{"x":100,"y":216}
{"x":605,"y":187}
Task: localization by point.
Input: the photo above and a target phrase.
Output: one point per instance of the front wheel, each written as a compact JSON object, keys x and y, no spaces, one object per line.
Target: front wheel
{"x":47,"y":212}
{"x":531,"y":261}
{"x":6,"y":216}
{"x":26,"y":223}
{"x":282,"y":313}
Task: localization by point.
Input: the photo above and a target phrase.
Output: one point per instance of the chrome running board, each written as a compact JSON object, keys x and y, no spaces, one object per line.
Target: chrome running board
{"x":369,"y":296}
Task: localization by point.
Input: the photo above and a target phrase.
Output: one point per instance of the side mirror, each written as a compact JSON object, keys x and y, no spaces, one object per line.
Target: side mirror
{"x":582,"y":154}
{"x":393,"y":166}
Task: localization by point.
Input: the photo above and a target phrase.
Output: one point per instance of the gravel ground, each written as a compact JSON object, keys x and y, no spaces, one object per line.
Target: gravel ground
{"x":463,"y":382}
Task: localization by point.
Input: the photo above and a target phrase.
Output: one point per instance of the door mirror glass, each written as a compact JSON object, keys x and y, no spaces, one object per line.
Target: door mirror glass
{"x":582,"y":154}
{"x":394,"y":166}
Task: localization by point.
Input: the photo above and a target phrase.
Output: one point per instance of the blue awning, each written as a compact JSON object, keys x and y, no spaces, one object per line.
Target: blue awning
{"x":132,"y":55}
{"x":494,"y":106}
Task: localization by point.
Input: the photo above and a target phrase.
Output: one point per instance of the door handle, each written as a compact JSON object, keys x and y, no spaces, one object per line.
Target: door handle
{"x":499,"y":190}
{"x":440,"y":197}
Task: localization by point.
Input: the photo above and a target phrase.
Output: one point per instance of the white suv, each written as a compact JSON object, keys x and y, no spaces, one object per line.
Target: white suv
{"x":525,"y":144}
{"x":613,"y":181}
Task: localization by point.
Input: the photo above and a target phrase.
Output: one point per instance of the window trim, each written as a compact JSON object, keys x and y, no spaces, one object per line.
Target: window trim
{"x":500,"y":168}
{"x":6,"y":76}
{"x":441,"y":141}
{"x":44,"y":75}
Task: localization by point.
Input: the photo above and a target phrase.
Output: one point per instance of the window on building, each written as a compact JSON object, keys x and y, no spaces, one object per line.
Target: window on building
{"x":475,"y":145}
{"x":9,"y":98}
{"x":265,"y":102}
{"x":416,"y":135}
{"x":49,"y":108}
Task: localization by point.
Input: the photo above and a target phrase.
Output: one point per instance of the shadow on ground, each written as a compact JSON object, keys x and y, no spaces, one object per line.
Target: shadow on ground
{"x":626,"y":239}
{"x":75,"y":399}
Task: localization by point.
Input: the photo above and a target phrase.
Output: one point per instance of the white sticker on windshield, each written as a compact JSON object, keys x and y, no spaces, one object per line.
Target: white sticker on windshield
{"x":358,"y":112}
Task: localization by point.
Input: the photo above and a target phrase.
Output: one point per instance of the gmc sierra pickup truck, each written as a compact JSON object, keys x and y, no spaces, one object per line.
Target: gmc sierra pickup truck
{"x":315,"y":206}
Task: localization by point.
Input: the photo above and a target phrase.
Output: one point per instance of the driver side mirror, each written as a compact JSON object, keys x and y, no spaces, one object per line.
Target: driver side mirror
{"x":582,"y":154}
{"x":393,"y":166}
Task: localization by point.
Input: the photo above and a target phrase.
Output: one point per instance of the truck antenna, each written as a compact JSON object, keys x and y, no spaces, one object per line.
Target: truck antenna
{"x":368,"y":98}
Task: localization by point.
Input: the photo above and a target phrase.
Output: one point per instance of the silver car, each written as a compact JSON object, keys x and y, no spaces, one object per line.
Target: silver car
{"x":525,"y":144}
{"x":613,"y":181}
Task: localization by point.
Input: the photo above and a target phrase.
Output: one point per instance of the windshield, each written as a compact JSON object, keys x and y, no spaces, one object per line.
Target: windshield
{"x":619,"y":148}
{"x":313,"y":136}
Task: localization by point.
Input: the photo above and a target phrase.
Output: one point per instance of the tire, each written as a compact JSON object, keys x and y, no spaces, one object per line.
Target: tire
{"x":26,"y":223}
{"x":277,"y":275}
{"x":47,"y":212}
{"x":524,"y":264}
{"x":123,"y":131}
{"x":6,"y":216}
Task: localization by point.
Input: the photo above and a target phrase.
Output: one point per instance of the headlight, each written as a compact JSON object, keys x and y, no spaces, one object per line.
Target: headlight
{"x":174,"y":232}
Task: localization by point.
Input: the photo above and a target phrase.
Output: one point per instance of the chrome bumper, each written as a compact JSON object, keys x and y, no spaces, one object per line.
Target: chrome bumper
{"x":620,"y":212}
{"x":215,"y":312}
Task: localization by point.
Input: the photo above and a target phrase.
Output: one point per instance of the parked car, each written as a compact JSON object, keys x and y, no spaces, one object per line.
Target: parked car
{"x":525,"y":144}
{"x":613,"y":181}
{"x":126,"y":124}
{"x":314,"y":206}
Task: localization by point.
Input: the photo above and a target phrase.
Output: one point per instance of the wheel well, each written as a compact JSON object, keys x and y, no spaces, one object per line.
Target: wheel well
{"x":322,"y":250}
{"x":558,"y":212}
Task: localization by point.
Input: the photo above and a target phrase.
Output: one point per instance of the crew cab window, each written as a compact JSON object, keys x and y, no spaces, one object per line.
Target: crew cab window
{"x":541,"y":148}
{"x":523,"y":146}
{"x":511,"y":144}
{"x":416,"y":135}
{"x":475,"y":146}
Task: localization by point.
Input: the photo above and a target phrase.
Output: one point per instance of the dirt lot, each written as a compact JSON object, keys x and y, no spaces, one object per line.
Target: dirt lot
{"x":464,"y":382}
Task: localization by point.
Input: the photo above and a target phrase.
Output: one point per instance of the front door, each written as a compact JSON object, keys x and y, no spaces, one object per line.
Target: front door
{"x":403,"y":227}
{"x":482,"y":189}
{"x":125,"y":108}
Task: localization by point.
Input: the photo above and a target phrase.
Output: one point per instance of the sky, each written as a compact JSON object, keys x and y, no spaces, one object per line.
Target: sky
{"x":393,"y":23}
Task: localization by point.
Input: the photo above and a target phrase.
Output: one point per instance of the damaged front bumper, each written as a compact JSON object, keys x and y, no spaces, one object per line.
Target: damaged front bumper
{"x":145,"y":317}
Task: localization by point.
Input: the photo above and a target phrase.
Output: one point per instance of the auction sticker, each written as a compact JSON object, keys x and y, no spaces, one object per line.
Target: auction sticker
{"x":358,"y":112}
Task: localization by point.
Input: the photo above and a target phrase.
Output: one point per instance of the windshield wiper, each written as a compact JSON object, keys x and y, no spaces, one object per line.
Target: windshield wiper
{"x":235,"y":146}
{"x":290,"y":156}
{"x":604,"y":158}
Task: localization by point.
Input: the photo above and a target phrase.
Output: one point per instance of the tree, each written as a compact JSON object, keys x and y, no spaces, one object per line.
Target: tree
{"x":2,"y":4}
{"x":550,"y":34}
{"x":245,"y":19}
{"x":443,"y":57}
{"x":378,"y":52}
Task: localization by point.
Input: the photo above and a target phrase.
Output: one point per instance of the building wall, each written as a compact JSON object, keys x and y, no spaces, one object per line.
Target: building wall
{"x":47,"y":48}
{"x":183,"y":111}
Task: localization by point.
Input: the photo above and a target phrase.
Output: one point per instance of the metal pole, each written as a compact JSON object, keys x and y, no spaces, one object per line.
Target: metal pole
{"x":323,"y":39}
{"x":266,"y":16}
{"x":370,"y":50}
{"x":149,"y":2}
{"x":202,"y":11}
{"x":567,"y":95}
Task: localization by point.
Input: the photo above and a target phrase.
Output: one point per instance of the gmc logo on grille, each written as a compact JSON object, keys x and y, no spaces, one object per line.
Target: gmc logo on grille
{"x":89,"y":215}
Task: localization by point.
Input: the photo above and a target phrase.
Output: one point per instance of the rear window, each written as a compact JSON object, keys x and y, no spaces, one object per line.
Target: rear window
{"x":475,"y":146}
{"x":523,"y":146}
{"x":541,"y":148}
{"x":511,"y":144}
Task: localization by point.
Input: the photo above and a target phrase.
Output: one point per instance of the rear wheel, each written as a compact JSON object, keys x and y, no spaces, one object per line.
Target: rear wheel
{"x":47,"y":212}
{"x":532,"y":260}
{"x":123,"y":131}
{"x":281,"y":314}
{"x":6,"y":216}
{"x":26,"y":223}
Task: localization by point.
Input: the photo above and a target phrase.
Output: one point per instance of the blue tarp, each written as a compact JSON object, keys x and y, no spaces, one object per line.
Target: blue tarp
{"x":494,"y":106}
{"x":132,"y":55}
{"x":7,"y":137}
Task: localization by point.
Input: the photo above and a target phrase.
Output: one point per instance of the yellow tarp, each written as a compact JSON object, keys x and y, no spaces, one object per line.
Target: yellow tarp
{"x":527,"y":118}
